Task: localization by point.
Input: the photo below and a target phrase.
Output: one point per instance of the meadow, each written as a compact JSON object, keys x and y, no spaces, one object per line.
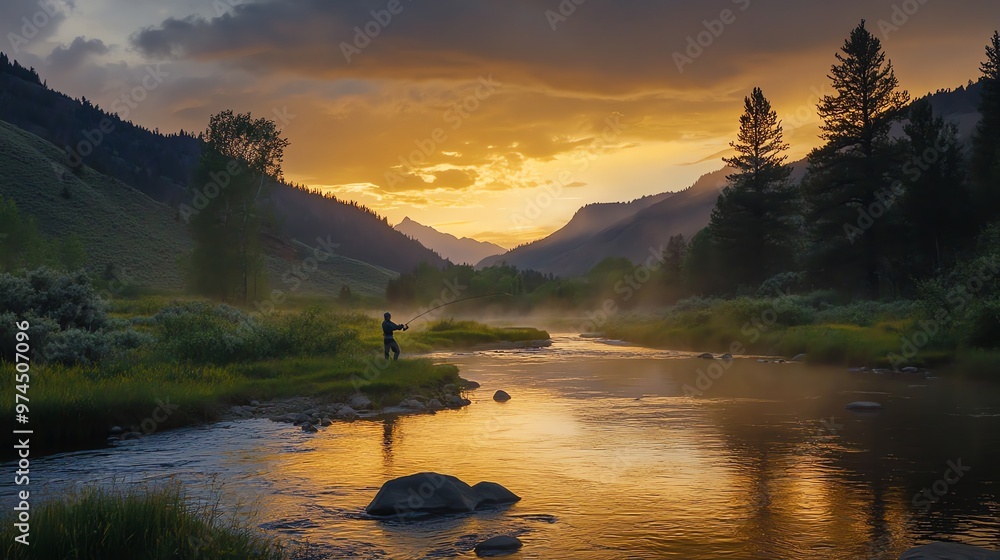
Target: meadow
{"x":870,"y":334}
{"x":156,"y":363}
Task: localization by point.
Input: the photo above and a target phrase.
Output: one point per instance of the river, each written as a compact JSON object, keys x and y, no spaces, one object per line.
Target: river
{"x":618,"y":452}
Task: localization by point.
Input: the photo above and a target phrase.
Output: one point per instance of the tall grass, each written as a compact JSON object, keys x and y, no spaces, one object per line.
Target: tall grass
{"x":155,"y":524}
{"x":826,"y":330}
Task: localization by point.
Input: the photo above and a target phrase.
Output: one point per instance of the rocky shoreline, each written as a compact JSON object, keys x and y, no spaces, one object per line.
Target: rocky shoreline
{"x":312,"y":413}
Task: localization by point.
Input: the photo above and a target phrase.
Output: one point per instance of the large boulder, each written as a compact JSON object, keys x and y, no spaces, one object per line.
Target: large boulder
{"x":423,"y":493}
{"x":430,"y":493}
{"x":490,"y":493}
{"x":949,"y":551}
{"x":498,"y":546}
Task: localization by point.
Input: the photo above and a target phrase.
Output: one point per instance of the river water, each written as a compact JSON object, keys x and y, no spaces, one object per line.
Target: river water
{"x":618,"y":452}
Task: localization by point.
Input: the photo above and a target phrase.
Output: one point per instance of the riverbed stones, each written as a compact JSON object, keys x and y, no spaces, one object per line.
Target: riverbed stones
{"x":309,"y":428}
{"x":501,"y":396}
{"x":435,"y":404}
{"x":707,"y":356}
{"x":347,"y":413}
{"x":470,"y":385}
{"x":726,"y":357}
{"x":361,"y":402}
{"x":325,"y":421}
{"x":910,"y":369}
{"x":431,"y":493}
{"x":864,"y":406}
{"x":412,"y":404}
{"x":456,"y":401}
{"x":949,"y":551}
{"x":117,"y":431}
{"x":500,"y":545}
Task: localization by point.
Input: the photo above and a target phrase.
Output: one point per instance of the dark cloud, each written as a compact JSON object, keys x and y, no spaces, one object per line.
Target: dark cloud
{"x":66,"y":57}
{"x":23,"y":22}
{"x":605,"y":47}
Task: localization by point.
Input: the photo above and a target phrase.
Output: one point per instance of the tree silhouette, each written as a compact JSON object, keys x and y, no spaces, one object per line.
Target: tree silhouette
{"x":753,"y":222}
{"x":851,"y":184}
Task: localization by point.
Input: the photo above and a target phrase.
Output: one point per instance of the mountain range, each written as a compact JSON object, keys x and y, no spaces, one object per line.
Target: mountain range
{"x":638,"y":229}
{"x":459,"y":251}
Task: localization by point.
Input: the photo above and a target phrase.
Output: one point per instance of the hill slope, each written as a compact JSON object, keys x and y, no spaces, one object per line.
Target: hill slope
{"x":161,"y":166}
{"x":585,"y":224}
{"x":459,"y":251}
{"x":142,"y":238}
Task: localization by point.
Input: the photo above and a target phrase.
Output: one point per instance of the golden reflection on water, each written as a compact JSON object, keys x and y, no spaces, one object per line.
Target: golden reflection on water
{"x":628,"y":466}
{"x":613,"y":461}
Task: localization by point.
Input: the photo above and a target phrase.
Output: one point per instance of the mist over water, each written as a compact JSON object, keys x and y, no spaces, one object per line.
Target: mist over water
{"x":613,"y":458}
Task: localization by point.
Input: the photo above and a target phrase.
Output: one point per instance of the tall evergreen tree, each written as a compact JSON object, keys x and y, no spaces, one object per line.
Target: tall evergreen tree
{"x":753,"y":222}
{"x":239,"y":154}
{"x":852,"y":180}
{"x":986,"y":139}
{"x":934,"y":208}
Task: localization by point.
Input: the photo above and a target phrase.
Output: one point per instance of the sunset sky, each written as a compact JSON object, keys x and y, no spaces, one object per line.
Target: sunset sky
{"x":495,"y":120}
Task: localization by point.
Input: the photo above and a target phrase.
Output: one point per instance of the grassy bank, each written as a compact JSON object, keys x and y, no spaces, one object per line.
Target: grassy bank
{"x":148,"y":525}
{"x":154,"y":364}
{"x":872,"y":334}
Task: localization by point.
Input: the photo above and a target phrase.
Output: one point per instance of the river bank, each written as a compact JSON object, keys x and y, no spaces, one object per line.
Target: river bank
{"x":894,"y":335}
{"x":157,"y":367}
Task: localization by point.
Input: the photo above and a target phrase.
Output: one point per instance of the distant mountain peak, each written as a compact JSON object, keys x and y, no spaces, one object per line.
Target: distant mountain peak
{"x":465,"y":250}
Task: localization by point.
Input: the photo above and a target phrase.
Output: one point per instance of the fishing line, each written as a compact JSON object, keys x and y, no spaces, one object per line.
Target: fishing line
{"x":456,"y":301}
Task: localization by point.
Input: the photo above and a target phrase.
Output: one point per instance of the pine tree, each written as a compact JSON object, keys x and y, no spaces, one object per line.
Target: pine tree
{"x":986,"y":139}
{"x":935,"y":205}
{"x":753,"y":222}
{"x":853,"y":181}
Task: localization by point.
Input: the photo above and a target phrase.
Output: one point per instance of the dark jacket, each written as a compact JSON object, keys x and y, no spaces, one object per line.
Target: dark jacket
{"x":388,"y":327}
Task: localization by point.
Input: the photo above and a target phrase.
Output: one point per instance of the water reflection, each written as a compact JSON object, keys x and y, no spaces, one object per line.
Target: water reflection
{"x":613,"y":461}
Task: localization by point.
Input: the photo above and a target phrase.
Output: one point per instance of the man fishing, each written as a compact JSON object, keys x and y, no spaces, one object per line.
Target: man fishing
{"x":388,"y":342}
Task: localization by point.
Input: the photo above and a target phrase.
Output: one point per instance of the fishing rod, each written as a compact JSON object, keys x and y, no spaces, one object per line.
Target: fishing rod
{"x":456,"y":301}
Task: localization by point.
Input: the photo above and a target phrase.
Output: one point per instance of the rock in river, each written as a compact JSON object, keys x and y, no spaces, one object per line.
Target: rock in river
{"x":864,"y":405}
{"x":489,"y":493}
{"x":501,"y":396}
{"x":498,"y":546}
{"x":949,"y":551}
{"x":707,"y":356}
{"x":429,"y":493}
